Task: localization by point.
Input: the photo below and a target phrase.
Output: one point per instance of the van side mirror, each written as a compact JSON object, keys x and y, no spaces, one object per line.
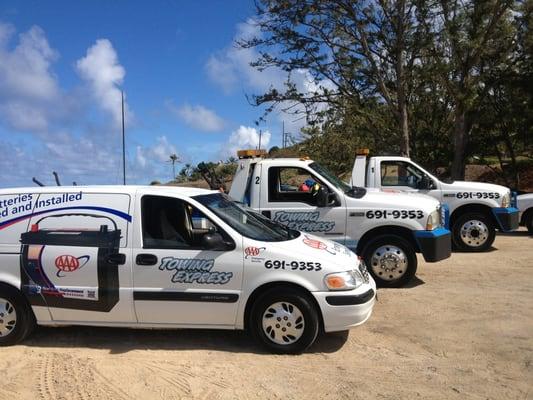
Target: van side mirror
{"x":215,"y":241}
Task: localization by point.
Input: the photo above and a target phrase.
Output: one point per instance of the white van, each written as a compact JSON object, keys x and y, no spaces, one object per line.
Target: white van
{"x":164,"y":257}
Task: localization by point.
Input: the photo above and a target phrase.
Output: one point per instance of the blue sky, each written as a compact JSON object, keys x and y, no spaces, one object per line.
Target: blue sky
{"x":63,"y":64}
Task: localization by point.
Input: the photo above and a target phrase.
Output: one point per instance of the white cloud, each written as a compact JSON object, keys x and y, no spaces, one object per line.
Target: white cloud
{"x":104,"y":74}
{"x":153,"y":161}
{"x":62,"y":138}
{"x":29,"y":91}
{"x":198,"y":117}
{"x":230,"y":67}
{"x":101,"y":163}
{"x":245,"y":137}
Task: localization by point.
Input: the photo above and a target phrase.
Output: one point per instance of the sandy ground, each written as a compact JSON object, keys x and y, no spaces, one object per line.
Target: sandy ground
{"x":463,"y":330}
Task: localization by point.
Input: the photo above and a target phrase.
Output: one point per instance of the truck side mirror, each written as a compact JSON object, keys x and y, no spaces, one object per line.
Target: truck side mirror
{"x":215,"y":241}
{"x":322,"y":197}
{"x":426,"y":183}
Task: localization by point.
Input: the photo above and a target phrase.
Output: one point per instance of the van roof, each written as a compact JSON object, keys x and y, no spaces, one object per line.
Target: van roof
{"x":130,"y":189}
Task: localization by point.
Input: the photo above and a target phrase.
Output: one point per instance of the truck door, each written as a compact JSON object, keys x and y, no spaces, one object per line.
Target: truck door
{"x":176,"y":279}
{"x":406,"y":176}
{"x":291,"y":201}
{"x":75,"y":258}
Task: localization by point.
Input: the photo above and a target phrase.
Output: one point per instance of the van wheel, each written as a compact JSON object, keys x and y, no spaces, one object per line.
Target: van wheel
{"x":16,"y":318}
{"x":391,"y":260}
{"x":473,"y":232}
{"x":284,"y":321}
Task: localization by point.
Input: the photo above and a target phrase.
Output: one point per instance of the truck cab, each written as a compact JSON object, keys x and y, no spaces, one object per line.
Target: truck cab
{"x":386,"y":229}
{"x":476,"y":209}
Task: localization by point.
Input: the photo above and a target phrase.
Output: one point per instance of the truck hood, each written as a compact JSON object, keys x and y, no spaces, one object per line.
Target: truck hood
{"x":394,"y":198}
{"x":477,"y":186}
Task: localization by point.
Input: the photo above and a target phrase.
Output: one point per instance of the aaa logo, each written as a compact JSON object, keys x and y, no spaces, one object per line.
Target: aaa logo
{"x":68,"y":263}
{"x":253,"y":251}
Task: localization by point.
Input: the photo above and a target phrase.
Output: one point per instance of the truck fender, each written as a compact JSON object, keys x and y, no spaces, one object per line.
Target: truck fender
{"x":403,"y":232}
{"x":475,"y":207}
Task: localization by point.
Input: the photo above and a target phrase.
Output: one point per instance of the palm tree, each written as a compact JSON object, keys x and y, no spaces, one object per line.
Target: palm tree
{"x":174,"y":159}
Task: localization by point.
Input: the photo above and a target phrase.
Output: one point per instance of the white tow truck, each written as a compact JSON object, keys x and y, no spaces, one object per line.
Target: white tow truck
{"x":476,"y":209}
{"x":525,"y":205}
{"x":386,"y":229}
{"x":163,"y":257}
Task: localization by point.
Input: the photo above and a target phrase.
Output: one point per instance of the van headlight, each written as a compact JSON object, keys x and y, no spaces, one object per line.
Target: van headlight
{"x":433,"y":220}
{"x":506,"y":200}
{"x":347,"y":280}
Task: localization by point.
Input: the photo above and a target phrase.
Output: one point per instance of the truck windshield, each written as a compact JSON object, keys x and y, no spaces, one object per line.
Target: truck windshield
{"x":356,"y":192}
{"x":245,"y":220}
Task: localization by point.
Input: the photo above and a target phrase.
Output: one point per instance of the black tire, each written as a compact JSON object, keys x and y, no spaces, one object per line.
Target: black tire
{"x":468,"y":243}
{"x":25,"y":320}
{"x":402,"y":272}
{"x":528,"y":221}
{"x":300,"y":302}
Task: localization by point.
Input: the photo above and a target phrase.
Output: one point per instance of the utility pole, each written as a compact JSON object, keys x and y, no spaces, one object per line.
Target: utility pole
{"x":123,"y":142}
{"x":260,"y":134}
{"x":285,"y":136}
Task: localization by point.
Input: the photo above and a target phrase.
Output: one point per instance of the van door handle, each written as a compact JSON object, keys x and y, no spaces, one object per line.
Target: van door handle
{"x":116,"y":259}
{"x":146,"y":259}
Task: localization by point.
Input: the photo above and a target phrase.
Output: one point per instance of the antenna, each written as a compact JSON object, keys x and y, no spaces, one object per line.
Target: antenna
{"x":123,"y":142}
{"x":56,"y":176}
{"x":34,"y":179}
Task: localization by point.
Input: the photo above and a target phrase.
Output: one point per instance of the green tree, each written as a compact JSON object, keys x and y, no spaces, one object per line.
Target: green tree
{"x":354,"y":51}
{"x":464,"y":35}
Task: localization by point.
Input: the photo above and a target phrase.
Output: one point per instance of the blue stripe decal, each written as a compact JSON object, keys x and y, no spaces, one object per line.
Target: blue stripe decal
{"x":502,"y":210}
{"x":118,"y":213}
{"x":434,"y":233}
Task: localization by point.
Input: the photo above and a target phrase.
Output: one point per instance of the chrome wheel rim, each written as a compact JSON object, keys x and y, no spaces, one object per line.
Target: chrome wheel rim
{"x":283,"y":323}
{"x":474,"y":233}
{"x":8,"y":317}
{"x":389,"y":262}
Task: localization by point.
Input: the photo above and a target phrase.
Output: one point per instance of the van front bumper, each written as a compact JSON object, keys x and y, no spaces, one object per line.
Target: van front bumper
{"x":343,"y":310}
{"x":508,"y":218}
{"x":434,"y":245}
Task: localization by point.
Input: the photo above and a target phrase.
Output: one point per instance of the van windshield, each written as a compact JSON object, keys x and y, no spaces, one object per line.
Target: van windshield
{"x":244,"y":220}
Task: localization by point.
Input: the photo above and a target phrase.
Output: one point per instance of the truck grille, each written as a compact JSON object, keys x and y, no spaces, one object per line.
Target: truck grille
{"x":364,"y":271}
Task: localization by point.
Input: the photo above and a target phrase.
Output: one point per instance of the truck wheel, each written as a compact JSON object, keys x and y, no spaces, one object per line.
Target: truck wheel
{"x":528,"y":221}
{"x":284,"y":321}
{"x":391,"y":260}
{"x":473,"y":232}
{"x":16,"y":318}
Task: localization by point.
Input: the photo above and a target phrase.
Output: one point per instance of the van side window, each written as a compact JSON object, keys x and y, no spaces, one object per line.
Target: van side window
{"x":169,"y":223}
{"x":400,"y":173}
{"x":290,"y":184}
